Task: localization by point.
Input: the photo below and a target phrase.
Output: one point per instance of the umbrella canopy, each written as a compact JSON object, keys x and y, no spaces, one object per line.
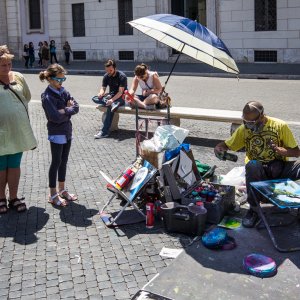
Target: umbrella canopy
{"x":188,"y":37}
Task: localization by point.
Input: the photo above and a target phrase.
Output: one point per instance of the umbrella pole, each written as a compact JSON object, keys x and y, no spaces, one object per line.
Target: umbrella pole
{"x":168,"y":107}
{"x":137,"y":135}
{"x":174,"y":66}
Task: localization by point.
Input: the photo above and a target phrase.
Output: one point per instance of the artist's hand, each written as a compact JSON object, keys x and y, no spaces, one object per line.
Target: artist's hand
{"x":220,"y":149}
{"x":100,"y":95}
{"x":280,"y":150}
{"x":145,"y":93}
{"x":109,"y":102}
{"x":61,"y":111}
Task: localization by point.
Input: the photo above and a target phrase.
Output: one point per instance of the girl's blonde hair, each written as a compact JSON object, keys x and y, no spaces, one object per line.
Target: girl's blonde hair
{"x":5,"y":54}
{"x":52,"y":71}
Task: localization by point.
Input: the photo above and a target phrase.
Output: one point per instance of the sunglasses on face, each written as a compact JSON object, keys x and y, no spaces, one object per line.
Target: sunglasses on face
{"x":250,"y":122}
{"x":59,"y":80}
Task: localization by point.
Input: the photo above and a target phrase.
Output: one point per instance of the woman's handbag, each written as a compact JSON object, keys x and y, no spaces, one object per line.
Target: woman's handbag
{"x":164,"y":100}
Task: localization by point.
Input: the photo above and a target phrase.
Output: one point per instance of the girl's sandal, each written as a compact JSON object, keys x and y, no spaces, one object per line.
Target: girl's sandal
{"x":3,"y":206}
{"x":57,"y":200}
{"x":17,"y":204}
{"x":67,"y":196}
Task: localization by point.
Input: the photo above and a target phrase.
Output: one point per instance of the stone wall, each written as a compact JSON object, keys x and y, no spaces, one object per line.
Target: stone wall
{"x":236,"y":27}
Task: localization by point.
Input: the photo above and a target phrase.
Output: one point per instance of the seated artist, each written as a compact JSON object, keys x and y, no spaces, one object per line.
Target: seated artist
{"x":150,"y":87}
{"x":268,"y":143}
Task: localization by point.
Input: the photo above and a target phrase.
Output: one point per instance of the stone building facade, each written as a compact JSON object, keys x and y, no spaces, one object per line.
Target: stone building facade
{"x":253,"y":30}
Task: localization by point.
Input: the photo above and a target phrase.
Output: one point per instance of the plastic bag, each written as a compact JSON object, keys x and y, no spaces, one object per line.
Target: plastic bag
{"x":235,"y":177}
{"x":172,"y":153}
{"x":169,"y":136}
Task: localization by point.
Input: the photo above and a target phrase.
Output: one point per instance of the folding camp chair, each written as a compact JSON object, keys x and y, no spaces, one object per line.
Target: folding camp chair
{"x":271,"y":189}
{"x":130,"y":193}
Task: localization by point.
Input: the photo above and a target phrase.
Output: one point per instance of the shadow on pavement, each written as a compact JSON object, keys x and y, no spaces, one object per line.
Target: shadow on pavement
{"x":77,"y":215}
{"x":124,"y":134}
{"x":22,"y":227}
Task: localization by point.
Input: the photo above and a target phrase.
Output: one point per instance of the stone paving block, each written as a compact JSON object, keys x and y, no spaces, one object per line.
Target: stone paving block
{"x":67,"y":293}
{"x":104,"y":284}
{"x":107,"y":292}
{"x":14,"y":294}
{"x":122,"y":295}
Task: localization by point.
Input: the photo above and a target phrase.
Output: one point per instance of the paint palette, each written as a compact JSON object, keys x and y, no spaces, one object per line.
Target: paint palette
{"x":260,"y":265}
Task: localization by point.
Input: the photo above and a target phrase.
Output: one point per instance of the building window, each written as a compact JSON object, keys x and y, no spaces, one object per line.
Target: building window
{"x":126,"y":55}
{"x":78,"y":19}
{"x":34,"y":14}
{"x":79,"y":55}
{"x":125,"y":15}
{"x":265,"y":15}
{"x":265,"y":56}
{"x":34,"y":9}
{"x":192,"y":9}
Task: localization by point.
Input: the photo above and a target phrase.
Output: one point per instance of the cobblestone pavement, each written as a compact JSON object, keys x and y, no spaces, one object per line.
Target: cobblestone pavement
{"x":52,"y":253}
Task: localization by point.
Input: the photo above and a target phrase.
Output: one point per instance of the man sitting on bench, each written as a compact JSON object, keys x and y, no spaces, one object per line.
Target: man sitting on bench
{"x":150,"y":85}
{"x":268,"y":143}
{"x":117,"y":82}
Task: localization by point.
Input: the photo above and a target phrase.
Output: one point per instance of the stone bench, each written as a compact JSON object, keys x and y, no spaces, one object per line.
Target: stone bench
{"x":177,"y":113}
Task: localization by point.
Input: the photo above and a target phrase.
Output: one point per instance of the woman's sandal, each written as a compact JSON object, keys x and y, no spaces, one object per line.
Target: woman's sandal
{"x":67,"y":196}
{"x":17,"y":204}
{"x":57,"y":200}
{"x":3,"y":206}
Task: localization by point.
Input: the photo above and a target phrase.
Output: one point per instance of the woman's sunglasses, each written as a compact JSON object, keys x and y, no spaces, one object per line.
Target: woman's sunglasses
{"x":59,"y":80}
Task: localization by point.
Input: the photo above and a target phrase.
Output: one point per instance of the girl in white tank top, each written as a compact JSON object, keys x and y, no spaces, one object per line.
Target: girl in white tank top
{"x":150,"y":87}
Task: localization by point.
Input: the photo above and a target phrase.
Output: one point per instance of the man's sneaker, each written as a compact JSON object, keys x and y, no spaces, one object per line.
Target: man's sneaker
{"x":114,"y":106}
{"x":100,"y":135}
{"x":250,"y":219}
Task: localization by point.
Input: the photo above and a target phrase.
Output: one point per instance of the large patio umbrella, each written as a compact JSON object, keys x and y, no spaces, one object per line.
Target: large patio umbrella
{"x":188,"y":37}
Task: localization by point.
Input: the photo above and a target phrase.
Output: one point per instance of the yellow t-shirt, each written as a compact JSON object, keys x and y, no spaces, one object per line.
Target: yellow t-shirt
{"x":257,"y":144}
{"x":15,"y":130}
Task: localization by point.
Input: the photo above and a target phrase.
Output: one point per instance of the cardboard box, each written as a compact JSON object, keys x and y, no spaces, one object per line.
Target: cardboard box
{"x":154,"y":158}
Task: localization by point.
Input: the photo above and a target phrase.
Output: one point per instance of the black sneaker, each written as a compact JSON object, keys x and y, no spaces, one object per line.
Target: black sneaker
{"x":250,"y":219}
{"x":114,"y":106}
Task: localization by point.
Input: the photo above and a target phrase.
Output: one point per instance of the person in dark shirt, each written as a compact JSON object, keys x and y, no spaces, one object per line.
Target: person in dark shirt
{"x":117,"y":82}
{"x":59,"y":106}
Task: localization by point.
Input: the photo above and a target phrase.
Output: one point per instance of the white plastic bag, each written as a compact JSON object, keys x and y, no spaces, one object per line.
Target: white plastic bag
{"x":234,"y":177}
{"x":169,"y":137}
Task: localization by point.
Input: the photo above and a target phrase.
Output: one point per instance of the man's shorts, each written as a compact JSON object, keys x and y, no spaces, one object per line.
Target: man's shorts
{"x":10,"y":161}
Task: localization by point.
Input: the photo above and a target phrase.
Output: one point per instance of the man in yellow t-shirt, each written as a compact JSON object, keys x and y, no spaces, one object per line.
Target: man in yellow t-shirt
{"x":268,"y":143}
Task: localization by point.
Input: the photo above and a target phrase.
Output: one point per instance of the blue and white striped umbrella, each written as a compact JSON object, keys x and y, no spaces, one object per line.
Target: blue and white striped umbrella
{"x":188,"y":37}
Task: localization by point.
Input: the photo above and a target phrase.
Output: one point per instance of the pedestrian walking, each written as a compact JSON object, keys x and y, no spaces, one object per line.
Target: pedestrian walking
{"x":40,"y":63}
{"x":31,"y":55}
{"x":53,"y":52}
{"x":45,"y":54}
{"x":67,"y":50}
{"x":59,"y":106}
{"x":26,"y":55}
{"x":16,"y":134}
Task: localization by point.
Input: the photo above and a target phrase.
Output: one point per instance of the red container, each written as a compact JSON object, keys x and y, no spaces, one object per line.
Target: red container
{"x":124,"y":179}
{"x":149,"y":215}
